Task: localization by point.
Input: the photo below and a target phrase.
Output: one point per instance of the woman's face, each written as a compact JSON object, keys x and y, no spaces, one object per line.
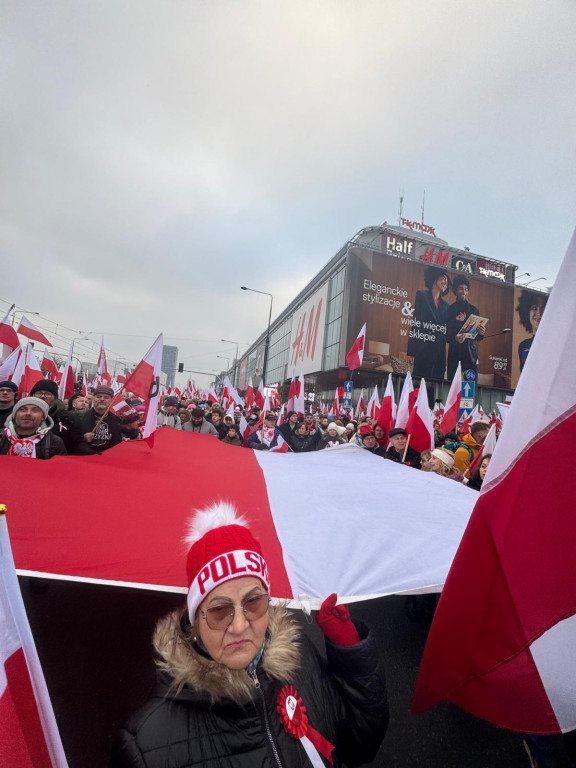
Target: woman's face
{"x":425,"y":464}
{"x":483,"y":468}
{"x":434,"y":463}
{"x":441,"y":283}
{"x":536,"y":312}
{"x":238,"y":644}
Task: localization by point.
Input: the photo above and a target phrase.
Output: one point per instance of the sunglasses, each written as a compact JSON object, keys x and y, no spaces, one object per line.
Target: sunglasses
{"x":221,"y":616}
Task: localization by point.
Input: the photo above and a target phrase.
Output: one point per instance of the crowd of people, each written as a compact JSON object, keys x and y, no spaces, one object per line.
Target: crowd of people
{"x":41,"y":426}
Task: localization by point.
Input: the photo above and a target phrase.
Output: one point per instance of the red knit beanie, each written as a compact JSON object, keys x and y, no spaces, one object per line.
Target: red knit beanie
{"x":222,"y":549}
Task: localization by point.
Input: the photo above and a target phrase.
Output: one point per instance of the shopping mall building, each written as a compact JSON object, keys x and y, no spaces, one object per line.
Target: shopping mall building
{"x":382,"y":277}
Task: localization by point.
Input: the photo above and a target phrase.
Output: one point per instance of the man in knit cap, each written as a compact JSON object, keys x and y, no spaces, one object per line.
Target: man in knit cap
{"x":102,"y":429}
{"x":8,"y":393}
{"x":168,"y":414}
{"x":65,"y":422}
{"x":27,"y":432}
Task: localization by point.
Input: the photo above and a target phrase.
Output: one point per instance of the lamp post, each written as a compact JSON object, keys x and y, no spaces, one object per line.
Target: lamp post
{"x":533,"y":281}
{"x":524,"y":274}
{"x":500,"y":333}
{"x":244,"y":288}
{"x":227,"y":341}
{"x":227,"y":361}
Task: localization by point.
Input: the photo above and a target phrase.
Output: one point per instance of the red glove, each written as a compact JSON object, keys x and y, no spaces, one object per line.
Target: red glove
{"x":334,"y":620}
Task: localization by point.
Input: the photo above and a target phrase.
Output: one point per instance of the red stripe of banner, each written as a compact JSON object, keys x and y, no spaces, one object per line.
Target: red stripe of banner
{"x":122,"y":516}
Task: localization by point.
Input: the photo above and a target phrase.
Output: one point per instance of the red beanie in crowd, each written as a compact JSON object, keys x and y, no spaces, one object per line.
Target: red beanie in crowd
{"x":222,"y":548}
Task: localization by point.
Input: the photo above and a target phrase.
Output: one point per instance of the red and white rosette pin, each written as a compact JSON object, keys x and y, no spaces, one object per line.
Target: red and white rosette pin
{"x":295,"y":721}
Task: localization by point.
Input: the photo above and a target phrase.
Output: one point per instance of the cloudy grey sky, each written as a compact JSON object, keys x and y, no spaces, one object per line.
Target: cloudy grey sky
{"x":158,"y":154}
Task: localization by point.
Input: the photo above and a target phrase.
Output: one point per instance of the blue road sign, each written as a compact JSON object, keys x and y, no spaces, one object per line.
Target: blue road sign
{"x":470,"y":375}
{"x":468,"y":389}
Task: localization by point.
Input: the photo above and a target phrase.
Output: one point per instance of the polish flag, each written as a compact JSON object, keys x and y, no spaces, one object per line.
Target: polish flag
{"x":103,"y":365}
{"x":249,"y":394}
{"x":452,"y":409}
{"x":503,"y":638}
{"x":464,"y":428}
{"x":299,"y":401}
{"x":233,"y":395}
{"x":120,"y":406}
{"x":259,"y":396}
{"x":503,"y":410}
{"x":360,"y":406}
{"x":121,"y":377}
{"x":28,"y":732}
{"x":32,"y":372}
{"x":388,"y":408}
{"x":66,"y":387}
{"x":48,"y":364}
{"x":292,"y":392}
{"x":373,"y":409}
{"x":335,"y":410}
{"x":404,"y":404}
{"x":8,"y":338}
{"x":230,"y":411}
{"x":486,"y":449}
{"x":420,"y":424}
{"x":281,"y":446}
{"x":144,"y":382}
{"x":245,"y":428}
{"x":84,"y":385}
{"x":212,"y":396}
{"x":356,"y":354}
{"x":28,"y":329}
{"x":8,"y":367}
{"x":387,"y":553}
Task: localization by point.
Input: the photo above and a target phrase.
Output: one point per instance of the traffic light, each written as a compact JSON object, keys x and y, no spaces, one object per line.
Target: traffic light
{"x":180,"y":367}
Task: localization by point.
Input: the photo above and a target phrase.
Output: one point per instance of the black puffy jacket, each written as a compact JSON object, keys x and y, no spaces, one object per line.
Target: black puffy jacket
{"x":203,"y":714}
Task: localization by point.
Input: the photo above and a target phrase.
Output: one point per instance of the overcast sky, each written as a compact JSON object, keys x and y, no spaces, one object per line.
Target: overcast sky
{"x":158,"y":155}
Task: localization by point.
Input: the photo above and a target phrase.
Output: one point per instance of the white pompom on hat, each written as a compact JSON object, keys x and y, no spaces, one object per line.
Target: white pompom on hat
{"x":221,"y":549}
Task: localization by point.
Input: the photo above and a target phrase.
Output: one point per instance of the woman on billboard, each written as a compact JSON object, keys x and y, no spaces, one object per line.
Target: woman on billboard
{"x":427,"y":343}
{"x":530,"y":310}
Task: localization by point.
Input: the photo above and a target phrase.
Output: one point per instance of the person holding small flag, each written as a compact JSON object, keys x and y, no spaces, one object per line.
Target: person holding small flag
{"x":102,"y":428}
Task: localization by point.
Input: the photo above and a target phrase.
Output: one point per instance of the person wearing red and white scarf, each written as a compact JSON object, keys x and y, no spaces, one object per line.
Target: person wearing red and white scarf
{"x":26,"y":428}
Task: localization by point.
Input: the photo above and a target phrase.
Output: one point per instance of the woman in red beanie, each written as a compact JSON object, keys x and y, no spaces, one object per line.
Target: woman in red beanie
{"x":239,"y":685}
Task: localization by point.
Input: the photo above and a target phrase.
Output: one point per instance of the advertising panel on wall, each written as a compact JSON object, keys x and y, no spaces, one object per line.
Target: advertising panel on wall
{"x":242,"y":381}
{"x":426,"y":318}
{"x":529,"y":307}
{"x":307,"y":338}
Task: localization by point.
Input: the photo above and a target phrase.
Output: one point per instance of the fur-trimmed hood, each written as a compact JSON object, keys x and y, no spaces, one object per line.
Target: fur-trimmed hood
{"x":189,"y":669}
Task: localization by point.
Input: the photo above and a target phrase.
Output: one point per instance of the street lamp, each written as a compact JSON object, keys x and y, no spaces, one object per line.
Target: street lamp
{"x":243,"y":288}
{"x":534,"y":281}
{"x":500,"y":333}
{"x":227,"y":361}
{"x":227,"y":341}
{"x":524,"y":274}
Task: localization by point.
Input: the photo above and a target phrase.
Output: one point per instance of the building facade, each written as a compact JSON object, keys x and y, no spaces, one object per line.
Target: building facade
{"x":169,"y":363}
{"x":426,"y":306}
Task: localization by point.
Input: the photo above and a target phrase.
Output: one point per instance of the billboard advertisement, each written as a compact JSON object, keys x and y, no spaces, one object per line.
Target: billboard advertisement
{"x":529,"y":307}
{"x":242,"y":380}
{"x":307,"y":337}
{"x":428,"y":317}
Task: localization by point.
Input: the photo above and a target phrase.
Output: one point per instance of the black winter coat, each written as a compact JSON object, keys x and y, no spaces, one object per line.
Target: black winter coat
{"x":67,"y":428}
{"x":412,"y":457}
{"x":109,"y":432}
{"x":225,"y":718}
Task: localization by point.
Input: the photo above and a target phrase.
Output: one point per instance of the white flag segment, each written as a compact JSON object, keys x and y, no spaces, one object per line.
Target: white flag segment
{"x":29,"y":736}
{"x":66,"y":386}
{"x":403,"y":406}
{"x":405,"y":544}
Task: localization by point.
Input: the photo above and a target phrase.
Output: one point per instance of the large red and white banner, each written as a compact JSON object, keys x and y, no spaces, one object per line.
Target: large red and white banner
{"x":29,"y":736}
{"x":503,"y":641}
{"x":131,"y":533}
